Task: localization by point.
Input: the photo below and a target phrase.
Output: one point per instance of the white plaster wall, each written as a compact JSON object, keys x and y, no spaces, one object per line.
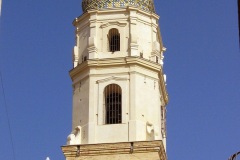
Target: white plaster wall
{"x":146,"y":106}
{"x":141,"y":104}
{"x":80,"y":103}
{"x":112,"y":133}
{"x":83,"y":43}
{"x":138,"y":33}
{"x":82,"y":38}
{"x":144,"y":39}
{"x":148,"y":102}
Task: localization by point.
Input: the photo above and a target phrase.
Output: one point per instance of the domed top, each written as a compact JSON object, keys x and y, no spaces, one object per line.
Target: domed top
{"x":146,"y":5}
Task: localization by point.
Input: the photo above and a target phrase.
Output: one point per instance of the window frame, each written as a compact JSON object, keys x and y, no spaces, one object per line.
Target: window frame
{"x":114,"y":40}
{"x":113,"y":104}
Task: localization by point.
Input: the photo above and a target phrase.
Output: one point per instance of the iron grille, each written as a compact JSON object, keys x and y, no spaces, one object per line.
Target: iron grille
{"x":114,"y":40}
{"x":113,"y":104}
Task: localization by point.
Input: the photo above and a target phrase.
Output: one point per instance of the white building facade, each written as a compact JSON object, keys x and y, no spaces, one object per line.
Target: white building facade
{"x":119,"y":95}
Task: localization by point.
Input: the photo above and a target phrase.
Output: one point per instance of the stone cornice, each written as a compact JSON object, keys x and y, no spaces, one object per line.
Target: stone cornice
{"x":73,"y":151}
{"x":113,"y":10}
{"x":80,"y":18}
{"x":113,"y":62}
{"x":110,"y":62}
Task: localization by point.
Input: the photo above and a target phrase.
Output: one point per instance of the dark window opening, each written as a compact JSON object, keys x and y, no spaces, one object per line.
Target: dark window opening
{"x":113,"y":104}
{"x":114,"y":40}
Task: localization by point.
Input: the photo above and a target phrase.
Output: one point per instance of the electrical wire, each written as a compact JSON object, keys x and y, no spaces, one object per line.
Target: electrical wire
{"x":0,"y":7}
{"x":239,"y":21}
{"x":5,"y":102}
{"x":8,"y":120}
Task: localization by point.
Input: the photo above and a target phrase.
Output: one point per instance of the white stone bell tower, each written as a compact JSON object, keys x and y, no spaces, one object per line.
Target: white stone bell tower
{"x":119,"y":90}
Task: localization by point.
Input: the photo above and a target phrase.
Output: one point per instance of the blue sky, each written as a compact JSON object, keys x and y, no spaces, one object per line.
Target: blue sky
{"x":202,"y":63}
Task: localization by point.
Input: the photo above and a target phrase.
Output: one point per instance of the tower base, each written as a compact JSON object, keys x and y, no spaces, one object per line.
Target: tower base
{"x":152,"y":150}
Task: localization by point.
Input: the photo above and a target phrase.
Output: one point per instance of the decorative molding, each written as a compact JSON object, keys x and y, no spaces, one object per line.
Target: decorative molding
{"x":112,"y":78}
{"x":135,"y":60}
{"x":113,"y":23}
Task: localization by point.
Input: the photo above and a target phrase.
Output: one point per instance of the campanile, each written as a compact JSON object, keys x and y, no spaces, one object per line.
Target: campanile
{"x":119,"y":90}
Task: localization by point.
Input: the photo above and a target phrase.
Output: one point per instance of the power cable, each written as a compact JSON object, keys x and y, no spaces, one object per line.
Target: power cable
{"x":8,"y":121}
{"x":5,"y":102}
{"x":239,"y":21}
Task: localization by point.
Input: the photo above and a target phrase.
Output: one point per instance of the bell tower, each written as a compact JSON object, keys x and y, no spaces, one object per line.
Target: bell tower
{"x":119,"y":90}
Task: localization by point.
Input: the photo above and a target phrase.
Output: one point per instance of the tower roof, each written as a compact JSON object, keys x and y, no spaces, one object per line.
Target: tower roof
{"x":145,"y":5}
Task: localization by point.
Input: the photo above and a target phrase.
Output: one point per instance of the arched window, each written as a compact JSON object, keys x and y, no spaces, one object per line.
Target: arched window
{"x":113,"y":104}
{"x":114,"y":40}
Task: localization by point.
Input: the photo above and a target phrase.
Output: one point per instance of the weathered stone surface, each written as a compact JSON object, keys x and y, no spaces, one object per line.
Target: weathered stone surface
{"x":137,"y":156}
{"x":153,"y":150}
